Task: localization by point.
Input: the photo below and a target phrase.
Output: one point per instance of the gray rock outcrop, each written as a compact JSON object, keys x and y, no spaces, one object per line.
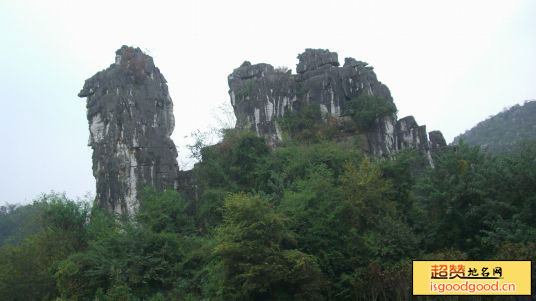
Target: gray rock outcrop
{"x":130,"y":115}
{"x":261,"y":95}
{"x":437,"y":140}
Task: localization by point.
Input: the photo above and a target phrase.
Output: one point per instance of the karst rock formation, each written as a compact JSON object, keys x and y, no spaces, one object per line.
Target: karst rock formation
{"x":260,"y":95}
{"x":130,"y":115}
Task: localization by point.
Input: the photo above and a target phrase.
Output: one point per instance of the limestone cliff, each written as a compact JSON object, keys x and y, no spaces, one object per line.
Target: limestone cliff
{"x":130,"y":115}
{"x":261,"y":95}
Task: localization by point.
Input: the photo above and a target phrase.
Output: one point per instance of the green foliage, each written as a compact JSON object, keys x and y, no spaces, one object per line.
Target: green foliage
{"x":232,"y":162}
{"x":305,"y":125}
{"x":301,"y":122}
{"x":365,"y":194}
{"x":365,"y":110}
{"x":246,"y":90}
{"x":287,"y":165}
{"x":407,"y":166}
{"x":282,"y":69}
{"x":135,"y":259}
{"x":19,"y":222}
{"x":454,"y":200}
{"x":304,"y":221}
{"x":230,"y":166}
{"x":165,"y":212}
{"x":504,"y":132}
{"x":26,"y":270}
{"x":253,"y":244}
{"x":484,"y":200}
{"x":341,"y":219}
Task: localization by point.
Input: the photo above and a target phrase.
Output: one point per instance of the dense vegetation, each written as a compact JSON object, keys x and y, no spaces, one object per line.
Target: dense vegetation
{"x":504,"y":132}
{"x":316,"y":221}
{"x":366,"y":109}
{"x":304,"y":123}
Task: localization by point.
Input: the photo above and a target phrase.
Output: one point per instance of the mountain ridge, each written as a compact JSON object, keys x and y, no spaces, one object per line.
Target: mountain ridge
{"x":504,"y":131}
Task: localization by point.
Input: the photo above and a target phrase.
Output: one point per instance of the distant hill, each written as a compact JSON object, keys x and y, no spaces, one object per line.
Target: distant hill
{"x":505,"y":131}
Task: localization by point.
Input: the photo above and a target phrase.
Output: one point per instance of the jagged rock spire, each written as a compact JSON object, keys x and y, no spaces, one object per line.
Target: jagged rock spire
{"x":261,"y":94}
{"x":130,"y":116}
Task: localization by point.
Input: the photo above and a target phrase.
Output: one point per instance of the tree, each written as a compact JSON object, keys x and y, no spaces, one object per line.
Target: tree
{"x":365,"y":110}
{"x":253,"y":245}
{"x":165,"y":212}
{"x":27,"y":270}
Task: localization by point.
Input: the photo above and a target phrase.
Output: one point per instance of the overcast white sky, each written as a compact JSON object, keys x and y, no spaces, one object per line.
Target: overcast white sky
{"x":449,"y":63}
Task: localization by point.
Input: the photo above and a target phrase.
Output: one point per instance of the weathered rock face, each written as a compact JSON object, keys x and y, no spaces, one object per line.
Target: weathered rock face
{"x":410,"y":135}
{"x":437,"y":140}
{"x":261,"y":94}
{"x":130,"y":116}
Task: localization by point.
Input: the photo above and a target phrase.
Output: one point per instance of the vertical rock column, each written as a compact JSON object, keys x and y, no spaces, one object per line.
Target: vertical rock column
{"x":130,"y":115}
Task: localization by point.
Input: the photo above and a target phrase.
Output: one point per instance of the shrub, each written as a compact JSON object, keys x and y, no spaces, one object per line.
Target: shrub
{"x":366,"y":109}
{"x":246,"y":89}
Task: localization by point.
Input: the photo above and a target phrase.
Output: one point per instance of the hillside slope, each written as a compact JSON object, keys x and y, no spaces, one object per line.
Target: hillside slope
{"x":504,"y":131}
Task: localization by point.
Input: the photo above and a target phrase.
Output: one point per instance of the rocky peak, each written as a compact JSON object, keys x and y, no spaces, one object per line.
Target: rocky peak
{"x":313,"y":59}
{"x":261,"y":96}
{"x":247,"y":71}
{"x":130,"y":115}
{"x":437,"y":140}
{"x":410,"y":135}
{"x":351,"y":62}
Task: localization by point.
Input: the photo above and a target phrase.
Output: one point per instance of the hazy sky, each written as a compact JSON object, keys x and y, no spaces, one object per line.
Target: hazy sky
{"x":449,"y":63}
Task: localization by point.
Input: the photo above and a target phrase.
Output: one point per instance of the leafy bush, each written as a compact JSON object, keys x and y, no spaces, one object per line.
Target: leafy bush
{"x":365,"y":110}
{"x":253,"y":244}
{"x":282,"y":69}
{"x":246,"y":89}
{"x":27,"y":269}
{"x":165,"y":212}
{"x":305,"y":124}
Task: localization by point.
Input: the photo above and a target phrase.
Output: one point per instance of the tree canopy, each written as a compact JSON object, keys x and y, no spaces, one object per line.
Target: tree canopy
{"x":304,"y":221}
